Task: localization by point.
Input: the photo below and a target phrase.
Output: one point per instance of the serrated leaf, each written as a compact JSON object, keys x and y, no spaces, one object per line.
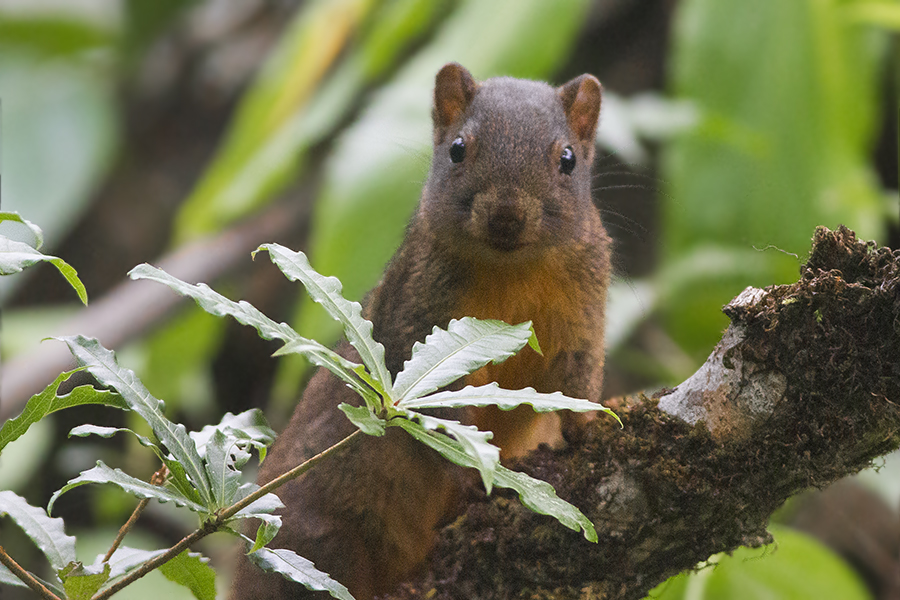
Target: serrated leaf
{"x":47,"y":533}
{"x":322,"y":356}
{"x":192,"y":570}
{"x":327,"y":292}
{"x":483,"y":456}
{"x":224,"y":480}
{"x":16,"y":256}
{"x":177,"y":477}
{"x":46,"y":402}
{"x":540,"y":497}
{"x":262,"y":506}
{"x":266,"y":532}
{"x":108,"y":432}
{"x":448,"y":354}
{"x":81,"y":583}
{"x":364,"y":418}
{"x":101,"y":363}
{"x":246,"y":314}
{"x":104,"y":474}
{"x":249,"y":427}
{"x":535,"y":494}
{"x":35,"y":230}
{"x":296,"y":568}
{"x":493,"y":395}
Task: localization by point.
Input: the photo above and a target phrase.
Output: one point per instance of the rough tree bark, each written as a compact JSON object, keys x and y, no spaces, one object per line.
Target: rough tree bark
{"x":803,"y":389}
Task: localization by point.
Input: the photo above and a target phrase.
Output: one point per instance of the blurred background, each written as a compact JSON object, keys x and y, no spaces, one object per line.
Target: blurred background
{"x":186,"y":133}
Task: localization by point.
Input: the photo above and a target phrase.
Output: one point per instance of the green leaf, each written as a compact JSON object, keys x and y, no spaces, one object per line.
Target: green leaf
{"x":327,"y":292}
{"x":540,"y":497}
{"x":104,"y":474}
{"x":266,"y":532}
{"x":249,"y":427}
{"x":224,"y":479}
{"x":364,"y":418}
{"x":42,"y":404}
{"x":15,"y":256}
{"x":108,"y":432}
{"x":273,"y":124}
{"x":493,"y":395}
{"x":448,"y":354}
{"x":81,"y":583}
{"x":481,"y":455}
{"x":46,"y":532}
{"x":354,"y":375}
{"x":535,"y":494}
{"x":261,"y":509}
{"x":14,"y":217}
{"x":263,"y":506}
{"x":779,"y":150}
{"x":795,"y":567}
{"x":192,"y":570}
{"x":296,"y":568}
{"x":246,"y":314}
{"x":101,"y":363}
{"x":60,"y":124}
{"x":881,"y":14}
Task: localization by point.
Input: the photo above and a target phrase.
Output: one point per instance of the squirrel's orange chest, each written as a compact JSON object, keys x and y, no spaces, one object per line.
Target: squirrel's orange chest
{"x":545,"y":296}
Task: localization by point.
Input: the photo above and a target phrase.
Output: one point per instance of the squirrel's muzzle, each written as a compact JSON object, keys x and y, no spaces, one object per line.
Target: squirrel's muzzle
{"x":505,"y":224}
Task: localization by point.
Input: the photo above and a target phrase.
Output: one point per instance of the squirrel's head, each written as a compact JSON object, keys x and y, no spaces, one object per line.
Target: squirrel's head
{"x":511,"y":171}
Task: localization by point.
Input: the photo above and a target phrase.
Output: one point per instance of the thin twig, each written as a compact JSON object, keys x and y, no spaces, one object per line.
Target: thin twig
{"x":157,"y":479}
{"x":126,"y":527}
{"x":292,"y":474}
{"x":25,"y":576}
{"x":151,"y":564}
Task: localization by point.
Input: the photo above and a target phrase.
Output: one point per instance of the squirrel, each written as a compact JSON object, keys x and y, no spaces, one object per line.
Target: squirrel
{"x":506,"y":229}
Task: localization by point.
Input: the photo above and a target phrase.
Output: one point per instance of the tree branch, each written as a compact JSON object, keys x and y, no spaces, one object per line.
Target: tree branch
{"x":7,"y":561}
{"x":803,"y":389}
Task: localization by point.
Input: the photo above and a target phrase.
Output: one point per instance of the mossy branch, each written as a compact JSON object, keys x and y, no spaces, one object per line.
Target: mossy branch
{"x":803,"y":389}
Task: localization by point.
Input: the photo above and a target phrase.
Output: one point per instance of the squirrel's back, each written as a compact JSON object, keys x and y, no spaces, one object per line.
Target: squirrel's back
{"x":506,"y":229}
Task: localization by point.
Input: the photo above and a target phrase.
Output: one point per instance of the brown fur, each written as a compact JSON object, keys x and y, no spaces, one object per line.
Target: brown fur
{"x":504,"y":234}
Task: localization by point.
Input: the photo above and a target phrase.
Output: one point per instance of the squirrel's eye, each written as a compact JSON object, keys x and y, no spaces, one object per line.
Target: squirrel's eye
{"x":457,"y":150}
{"x":567,"y":161}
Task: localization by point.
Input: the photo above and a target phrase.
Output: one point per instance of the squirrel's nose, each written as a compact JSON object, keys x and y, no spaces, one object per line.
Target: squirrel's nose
{"x":504,"y":225}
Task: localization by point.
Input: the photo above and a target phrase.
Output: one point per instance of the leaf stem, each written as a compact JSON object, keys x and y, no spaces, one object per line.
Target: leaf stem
{"x":25,"y":576}
{"x":288,"y":476}
{"x":157,"y":479}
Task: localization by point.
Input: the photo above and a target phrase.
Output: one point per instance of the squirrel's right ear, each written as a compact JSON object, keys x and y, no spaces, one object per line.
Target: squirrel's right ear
{"x":581,"y":101}
{"x":454,"y":88}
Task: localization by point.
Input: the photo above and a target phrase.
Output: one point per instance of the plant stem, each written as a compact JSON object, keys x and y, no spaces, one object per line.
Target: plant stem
{"x":213,"y":525}
{"x":292,"y":474}
{"x":25,"y":576}
{"x":157,"y":479}
{"x":159,"y":560}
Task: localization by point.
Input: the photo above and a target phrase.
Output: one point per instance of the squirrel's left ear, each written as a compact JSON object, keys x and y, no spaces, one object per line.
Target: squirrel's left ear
{"x":581,"y":101}
{"x":454,"y":88}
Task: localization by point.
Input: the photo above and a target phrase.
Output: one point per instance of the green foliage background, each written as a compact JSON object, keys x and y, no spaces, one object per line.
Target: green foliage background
{"x":787,"y":105}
